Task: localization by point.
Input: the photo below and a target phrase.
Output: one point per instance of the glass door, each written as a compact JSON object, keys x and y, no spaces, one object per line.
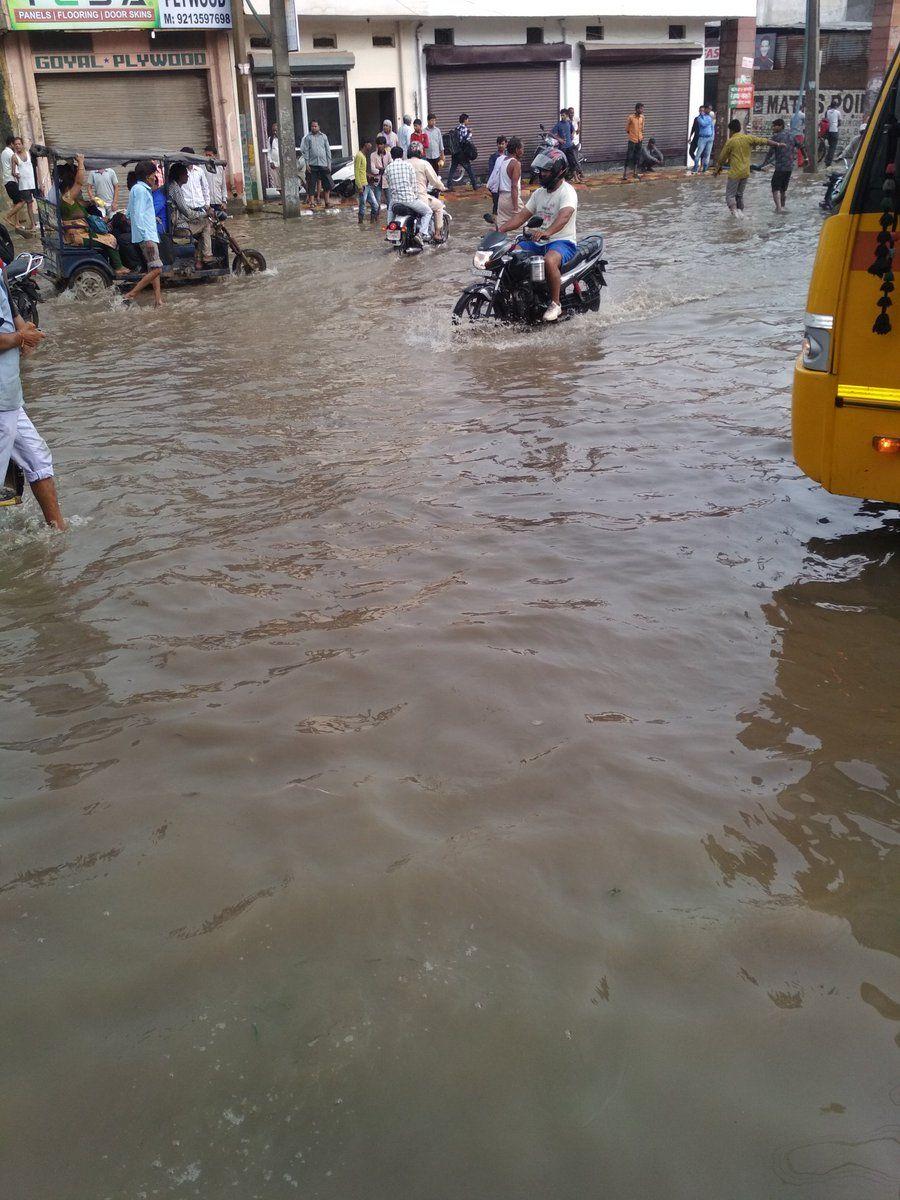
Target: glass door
{"x":326,"y":108}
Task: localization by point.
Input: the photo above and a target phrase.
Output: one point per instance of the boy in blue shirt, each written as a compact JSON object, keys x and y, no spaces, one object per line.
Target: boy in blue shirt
{"x":144,"y":230}
{"x":705,"y":128}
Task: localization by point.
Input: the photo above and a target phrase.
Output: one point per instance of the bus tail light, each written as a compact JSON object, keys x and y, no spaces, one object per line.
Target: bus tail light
{"x":817,"y":342}
{"x":886,"y":445}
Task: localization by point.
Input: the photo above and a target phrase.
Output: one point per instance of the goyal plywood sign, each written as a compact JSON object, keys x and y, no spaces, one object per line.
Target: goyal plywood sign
{"x":119,"y":14}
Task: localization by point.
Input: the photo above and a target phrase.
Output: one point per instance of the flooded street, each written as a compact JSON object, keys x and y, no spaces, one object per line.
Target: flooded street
{"x":447,"y":765}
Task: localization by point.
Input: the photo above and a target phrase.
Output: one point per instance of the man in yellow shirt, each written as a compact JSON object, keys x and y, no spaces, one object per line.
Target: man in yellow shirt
{"x":736,"y":154}
{"x":363,"y":179}
{"x":634,"y":127}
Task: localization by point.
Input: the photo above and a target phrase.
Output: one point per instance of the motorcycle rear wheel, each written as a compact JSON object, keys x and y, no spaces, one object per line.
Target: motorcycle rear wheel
{"x":26,"y":307}
{"x":595,"y":289}
{"x":473,"y":305}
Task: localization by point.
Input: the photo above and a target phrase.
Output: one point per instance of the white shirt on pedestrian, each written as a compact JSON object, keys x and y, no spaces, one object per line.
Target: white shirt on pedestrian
{"x":6,"y":164}
{"x":834,"y":119}
{"x":196,"y":190}
{"x":217,"y":183}
{"x":25,"y":171}
{"x":104,"y":182}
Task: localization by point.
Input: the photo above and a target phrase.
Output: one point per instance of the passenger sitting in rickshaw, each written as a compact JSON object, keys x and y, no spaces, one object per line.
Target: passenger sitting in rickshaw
{"x":186,"y":217}
{"x":81,"y":228}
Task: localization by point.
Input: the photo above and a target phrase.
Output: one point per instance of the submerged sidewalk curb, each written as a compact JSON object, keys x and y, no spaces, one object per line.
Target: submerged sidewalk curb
{"x":610,"y":178}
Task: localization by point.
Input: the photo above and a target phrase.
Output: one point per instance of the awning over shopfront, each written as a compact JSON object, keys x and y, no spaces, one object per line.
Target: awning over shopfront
{"x":640,"y":54}
{"x":497,"y":56}
{"x":306,"y":64}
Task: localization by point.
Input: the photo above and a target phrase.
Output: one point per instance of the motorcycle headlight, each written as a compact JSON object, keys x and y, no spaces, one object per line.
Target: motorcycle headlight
{"x":481,"y":259}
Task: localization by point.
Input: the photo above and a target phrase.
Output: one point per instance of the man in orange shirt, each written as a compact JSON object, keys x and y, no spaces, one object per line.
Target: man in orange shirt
{"x":634,"y":127}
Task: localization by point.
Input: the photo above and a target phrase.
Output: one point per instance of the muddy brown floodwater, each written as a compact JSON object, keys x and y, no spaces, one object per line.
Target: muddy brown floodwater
{"x":450,"y":766}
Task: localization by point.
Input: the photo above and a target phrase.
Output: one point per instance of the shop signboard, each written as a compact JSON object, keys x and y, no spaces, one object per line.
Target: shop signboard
{"x":119,"y":14}
{"x":740,"y":95}
{"x":772,"y":104}
{"x":77,"y":64}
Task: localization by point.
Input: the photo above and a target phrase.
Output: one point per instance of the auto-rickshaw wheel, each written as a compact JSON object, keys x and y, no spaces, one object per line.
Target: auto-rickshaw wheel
{"x":89,"y":282}
{"x":251,"y":262}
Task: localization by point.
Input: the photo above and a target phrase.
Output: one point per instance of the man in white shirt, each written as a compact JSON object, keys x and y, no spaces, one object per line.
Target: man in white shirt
{"x":426,"y":178}
{"x":23,"y":170}
{"x":404,"y":133}
{"x":833,"y":117}
{"x":8,"y":179}
{"x":401,"y":180}
{"x":556,"y":202}
{"x":196,"y":190}
{"x":218,"y":184}
{"x":19,"y":440}
{"x":103,"y":185}
{"x":274,"y":160}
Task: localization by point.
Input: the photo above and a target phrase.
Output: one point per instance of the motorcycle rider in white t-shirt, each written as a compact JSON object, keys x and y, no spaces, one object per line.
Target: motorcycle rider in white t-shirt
{"x":556,"y":201}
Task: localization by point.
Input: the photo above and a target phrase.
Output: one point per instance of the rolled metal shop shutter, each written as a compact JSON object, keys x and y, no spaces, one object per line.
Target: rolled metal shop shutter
{"x":609,"y":92}
{"x":512,"y":100}
{"x":132,"y":110}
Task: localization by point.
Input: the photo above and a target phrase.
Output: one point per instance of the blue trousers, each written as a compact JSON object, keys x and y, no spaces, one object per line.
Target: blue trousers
{"x":368,"y":195}
{"x":702,"y":153}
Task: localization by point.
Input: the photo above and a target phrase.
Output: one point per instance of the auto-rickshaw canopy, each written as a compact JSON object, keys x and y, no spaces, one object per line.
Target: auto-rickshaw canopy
{"x":124,"y":156}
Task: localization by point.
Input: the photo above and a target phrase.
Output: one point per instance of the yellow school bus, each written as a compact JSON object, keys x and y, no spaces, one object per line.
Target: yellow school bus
{"x":846,"y":401}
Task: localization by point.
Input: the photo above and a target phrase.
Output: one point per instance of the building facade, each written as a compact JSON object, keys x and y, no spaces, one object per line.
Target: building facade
{"x":363,"y":61}
{"x":857,"y":39}
{"x":119,"y":76}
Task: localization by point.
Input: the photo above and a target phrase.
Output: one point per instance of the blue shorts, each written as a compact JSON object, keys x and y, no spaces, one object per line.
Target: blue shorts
{"x":565,"y":250}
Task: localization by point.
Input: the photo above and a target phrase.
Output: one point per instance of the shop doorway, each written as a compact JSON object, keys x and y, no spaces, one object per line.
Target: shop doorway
{"x":374,"y":106}
{"x":324,"y":107}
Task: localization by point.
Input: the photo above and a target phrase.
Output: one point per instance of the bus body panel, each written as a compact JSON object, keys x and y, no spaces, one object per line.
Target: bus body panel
{"x":838,"y":414}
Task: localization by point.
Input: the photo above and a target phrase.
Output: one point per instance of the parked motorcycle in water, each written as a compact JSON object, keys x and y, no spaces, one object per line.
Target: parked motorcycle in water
{"x":21,"y":270}
{"x":401,"y":231}
{"x":23,"y":288}
{"x":547,"y":141}
{"x":513,"y":287}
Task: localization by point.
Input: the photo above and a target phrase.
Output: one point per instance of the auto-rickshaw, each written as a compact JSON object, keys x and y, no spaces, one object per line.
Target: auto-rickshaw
{"x":86,"y":269}
{"x":846,"y":402}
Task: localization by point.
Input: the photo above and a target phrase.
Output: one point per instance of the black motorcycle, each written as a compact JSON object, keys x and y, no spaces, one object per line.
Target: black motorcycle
{"x":401,"y":231}
{"x":21,"y":270}
{"x":23,"y":288}
{"x":13,"y":486}
{"x":831,"y":185}
{"x":577,"y":161}
{"x":513,"y":287}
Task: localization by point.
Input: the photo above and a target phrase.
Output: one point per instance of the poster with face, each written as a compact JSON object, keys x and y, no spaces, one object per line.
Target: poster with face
{"x":765,"y":52}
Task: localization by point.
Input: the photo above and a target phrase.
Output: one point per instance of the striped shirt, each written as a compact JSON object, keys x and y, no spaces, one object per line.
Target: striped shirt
{"x":400,"y":179}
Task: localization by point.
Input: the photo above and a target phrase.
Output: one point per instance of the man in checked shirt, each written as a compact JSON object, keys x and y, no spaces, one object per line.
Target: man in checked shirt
{"x":400,"y":179}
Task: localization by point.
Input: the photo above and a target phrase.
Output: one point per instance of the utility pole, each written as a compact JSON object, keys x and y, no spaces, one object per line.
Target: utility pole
{"x":811,"y":87}
{"x":284,"y":106}
{"x":245,"y":109}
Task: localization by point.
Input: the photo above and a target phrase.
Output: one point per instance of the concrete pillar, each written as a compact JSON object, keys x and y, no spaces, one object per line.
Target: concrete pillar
{"x":883,"y":42}
{"x":737,"y":41}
